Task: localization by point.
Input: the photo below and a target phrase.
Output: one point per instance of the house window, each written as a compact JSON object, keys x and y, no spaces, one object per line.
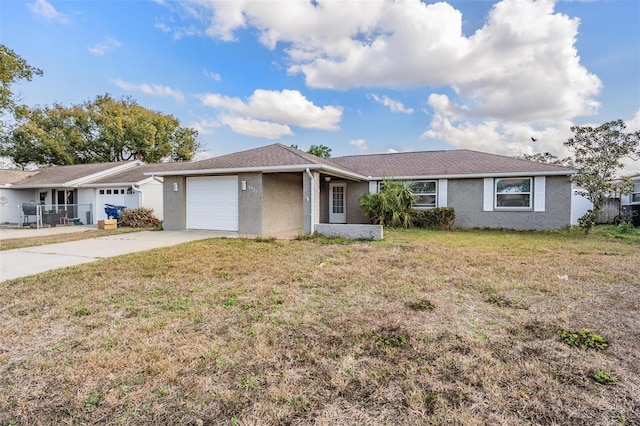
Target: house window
{"x":102,"y":192}
{"x":108,"y":192}
{"x":425,"y":191}
{"x":513,"y":193}
{"x":635,"y":197}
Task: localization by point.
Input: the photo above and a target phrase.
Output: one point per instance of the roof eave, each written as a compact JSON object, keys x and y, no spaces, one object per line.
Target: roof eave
{"x":335,"y":171}
{"x":477,"y":175}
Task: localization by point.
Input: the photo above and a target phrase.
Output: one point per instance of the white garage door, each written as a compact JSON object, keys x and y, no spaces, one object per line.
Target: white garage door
{"x":212,"y":203}
{"x":114,"y":196}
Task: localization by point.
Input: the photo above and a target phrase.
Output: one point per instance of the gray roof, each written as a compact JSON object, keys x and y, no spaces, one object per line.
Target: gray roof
{"x":61,"y":175}
{"x":10,"y":176}
{"x":443,"y":163}
{"x":132,"y":175}
{"x":267,"y":156}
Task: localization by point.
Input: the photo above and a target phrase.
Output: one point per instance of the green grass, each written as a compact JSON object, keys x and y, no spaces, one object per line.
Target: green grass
{"x":425,"y":327}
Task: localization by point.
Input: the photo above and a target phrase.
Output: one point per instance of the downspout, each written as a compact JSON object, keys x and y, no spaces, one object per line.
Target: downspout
{"x":313,"y":190}
{"x":140,"y":194}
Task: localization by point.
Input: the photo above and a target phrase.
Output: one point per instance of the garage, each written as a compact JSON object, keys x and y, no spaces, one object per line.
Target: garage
{"x":212,"y":203}
{"x":114,"y":196}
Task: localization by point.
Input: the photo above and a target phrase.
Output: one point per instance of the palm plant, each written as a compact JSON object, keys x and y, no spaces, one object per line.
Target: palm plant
{"x":392,"y":205}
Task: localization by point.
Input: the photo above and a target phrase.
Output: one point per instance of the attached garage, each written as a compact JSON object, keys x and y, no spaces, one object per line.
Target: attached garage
{"x":212,"y":203}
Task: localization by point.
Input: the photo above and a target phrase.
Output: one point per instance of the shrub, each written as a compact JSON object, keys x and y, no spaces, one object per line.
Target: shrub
{"x":392,"y":206}
{"x":437,"y":218}
{"x":140,"y":217}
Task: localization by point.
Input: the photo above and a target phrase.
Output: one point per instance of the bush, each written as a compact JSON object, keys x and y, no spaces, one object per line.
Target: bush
{"x":140,"y":217}
{"x":437,"y":218}
{"x":392,"y":206}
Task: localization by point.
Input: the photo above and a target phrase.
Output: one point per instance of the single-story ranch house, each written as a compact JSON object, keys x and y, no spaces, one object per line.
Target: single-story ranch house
{"x":279,"y":189}
{"x":77,"y":193}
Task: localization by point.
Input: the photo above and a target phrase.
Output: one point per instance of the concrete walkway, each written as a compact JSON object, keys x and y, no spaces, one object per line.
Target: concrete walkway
{"x":33,"y":260}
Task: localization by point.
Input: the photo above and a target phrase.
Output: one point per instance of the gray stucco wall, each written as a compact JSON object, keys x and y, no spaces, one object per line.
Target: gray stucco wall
{"x":466,"y":197}
{"x":282,"y":202}
{"x":250,"y":203}
{"x":174,"y":203}
{"x":355,"y":190}
{"x":310,"y":192}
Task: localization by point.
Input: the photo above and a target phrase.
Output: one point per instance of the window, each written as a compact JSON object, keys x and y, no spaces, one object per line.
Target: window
{"x":513,"y":193}
{"x":425,"y":191}
{"x":102,"y":192}
{"x":108,"y":192}
{"x":635,"y":197}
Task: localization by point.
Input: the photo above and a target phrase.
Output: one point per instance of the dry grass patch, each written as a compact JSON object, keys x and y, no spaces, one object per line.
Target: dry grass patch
{"x":424,"y":327}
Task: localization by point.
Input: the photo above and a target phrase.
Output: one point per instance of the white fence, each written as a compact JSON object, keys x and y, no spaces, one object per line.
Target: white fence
{"x":41,"y":215}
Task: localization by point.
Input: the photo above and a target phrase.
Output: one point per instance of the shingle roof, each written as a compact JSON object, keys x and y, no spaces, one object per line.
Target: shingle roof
{"x":266,"y":156}
{"x":442,"y":163}
{"x":8,"y":177}
{"x":60,"y":175}
{"x":133,"y":175}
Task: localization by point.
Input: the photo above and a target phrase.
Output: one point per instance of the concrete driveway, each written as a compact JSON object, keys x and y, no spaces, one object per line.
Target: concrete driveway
{"x":33,"y":260}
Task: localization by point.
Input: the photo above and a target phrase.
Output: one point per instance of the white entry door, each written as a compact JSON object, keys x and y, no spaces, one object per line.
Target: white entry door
{"x":337,"y":203}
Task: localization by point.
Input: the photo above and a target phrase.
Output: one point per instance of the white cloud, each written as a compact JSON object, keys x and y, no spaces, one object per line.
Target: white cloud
{"x":277,"y":109}
{"x":518,"y":75}
{"x":212,"y":75}
{"x":360,"y":144}
{"x":633,"y":125}
{"x":150,"y":89}
{"x":206,"y":126}
{"x":44,"y":9}
{"x":256,"y":128}
{"x":393,"y":105}
{"x":105,"y":46}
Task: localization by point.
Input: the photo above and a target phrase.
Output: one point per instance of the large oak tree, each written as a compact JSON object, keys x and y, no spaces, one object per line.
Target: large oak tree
{"x":103,"y":129}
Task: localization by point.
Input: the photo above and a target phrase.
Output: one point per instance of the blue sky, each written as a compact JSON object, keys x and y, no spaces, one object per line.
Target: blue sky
{"x":358,"y":76}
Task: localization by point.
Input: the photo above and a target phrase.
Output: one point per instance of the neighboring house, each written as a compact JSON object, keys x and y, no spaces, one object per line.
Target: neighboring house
{"x":79,"y":192}
{"x":277,"y":189}
{"x":630,"y":204}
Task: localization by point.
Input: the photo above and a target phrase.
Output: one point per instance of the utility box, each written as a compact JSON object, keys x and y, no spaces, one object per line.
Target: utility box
{"x":108,"y":224}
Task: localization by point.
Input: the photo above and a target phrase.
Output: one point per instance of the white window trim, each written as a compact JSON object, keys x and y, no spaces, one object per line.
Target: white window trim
{"x":442,"y":193}
{"x":513,"y":208}
{"x":435,"y":194}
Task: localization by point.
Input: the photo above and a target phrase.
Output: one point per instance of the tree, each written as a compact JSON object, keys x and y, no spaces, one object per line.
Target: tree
{"x":597,"y":152}
{"x":100,"y":130}
{"x":13,"y":69}
{"x":548,"y":158}
{"x":320,"y":151}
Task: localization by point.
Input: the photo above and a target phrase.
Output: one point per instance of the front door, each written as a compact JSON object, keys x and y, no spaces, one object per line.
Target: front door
{"x":337,"y":203}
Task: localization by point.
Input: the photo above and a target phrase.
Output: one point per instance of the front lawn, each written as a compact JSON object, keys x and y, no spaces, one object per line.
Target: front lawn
{"x":466,"y":327}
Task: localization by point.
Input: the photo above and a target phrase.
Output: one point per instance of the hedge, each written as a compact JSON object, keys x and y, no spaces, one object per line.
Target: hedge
{"x":437,"y":218}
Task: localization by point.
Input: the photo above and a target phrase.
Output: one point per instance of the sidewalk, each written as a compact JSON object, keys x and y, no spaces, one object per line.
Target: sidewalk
{"x":33,"y":260}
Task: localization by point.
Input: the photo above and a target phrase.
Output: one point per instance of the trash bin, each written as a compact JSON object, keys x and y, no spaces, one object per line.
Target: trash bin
{"x":113,"y":212}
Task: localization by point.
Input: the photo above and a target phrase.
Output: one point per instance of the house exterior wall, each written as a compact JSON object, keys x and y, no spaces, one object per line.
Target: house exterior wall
{"x":174,"y":203}
{"x":466,"y":197}
{"x":250,"y":203}
{"x":310,"y":201}
{"x":282,"y":203}
{"x":152,"y":192}
{"x":11,"y":210}
{"x":355,"y":190}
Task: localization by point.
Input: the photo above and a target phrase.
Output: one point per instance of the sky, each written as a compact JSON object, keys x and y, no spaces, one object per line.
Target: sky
{"x":360,"y":77}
